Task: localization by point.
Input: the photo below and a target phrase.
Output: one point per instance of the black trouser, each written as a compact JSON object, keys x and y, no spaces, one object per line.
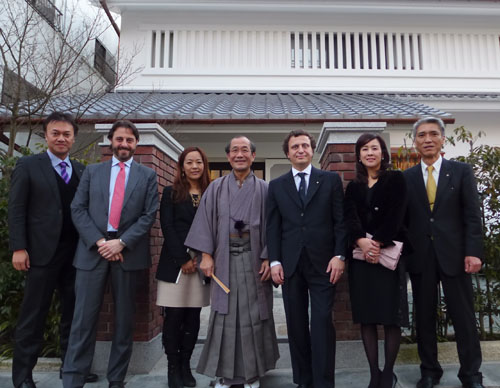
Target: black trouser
{"x":458,"y":296}
{"x":41,"y":282}
{"x":314,"y":347}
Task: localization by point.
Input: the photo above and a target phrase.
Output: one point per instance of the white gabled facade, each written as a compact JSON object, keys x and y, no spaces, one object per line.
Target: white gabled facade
{"x":356,"y":46}
{"x":423,"y":48}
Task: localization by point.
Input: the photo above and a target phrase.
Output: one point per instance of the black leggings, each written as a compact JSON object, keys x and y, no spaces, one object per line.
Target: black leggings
{"x":180,"y":330}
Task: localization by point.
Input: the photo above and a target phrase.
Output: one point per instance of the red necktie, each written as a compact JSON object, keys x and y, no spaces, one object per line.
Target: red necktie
{"x":117,"y":200}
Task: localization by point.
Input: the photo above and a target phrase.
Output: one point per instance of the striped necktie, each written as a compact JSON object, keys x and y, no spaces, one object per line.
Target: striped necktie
{"x":64,"y":173}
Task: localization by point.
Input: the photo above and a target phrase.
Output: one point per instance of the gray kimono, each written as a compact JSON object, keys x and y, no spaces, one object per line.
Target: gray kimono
{"x":210,"y":231}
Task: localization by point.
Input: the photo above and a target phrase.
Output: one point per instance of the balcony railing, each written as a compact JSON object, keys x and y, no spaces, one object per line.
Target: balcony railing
{"x":48,"y":11}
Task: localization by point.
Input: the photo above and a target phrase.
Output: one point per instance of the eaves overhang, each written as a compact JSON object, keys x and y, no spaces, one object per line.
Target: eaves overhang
{"x":245,"y":107}
{"x":416,"y":8}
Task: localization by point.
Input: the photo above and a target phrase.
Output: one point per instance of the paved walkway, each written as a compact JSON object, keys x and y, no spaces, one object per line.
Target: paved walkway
{"x":351,"y":365}
{"x":351,"y":371}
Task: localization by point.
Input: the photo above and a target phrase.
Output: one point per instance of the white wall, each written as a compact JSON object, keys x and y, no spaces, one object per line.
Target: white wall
{"x":79,"y":21}
{"x":248,"y":46}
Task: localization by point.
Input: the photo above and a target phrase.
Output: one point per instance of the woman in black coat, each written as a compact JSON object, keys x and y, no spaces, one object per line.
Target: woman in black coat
{"x":181,"y":288}
{"x":375,"y":203}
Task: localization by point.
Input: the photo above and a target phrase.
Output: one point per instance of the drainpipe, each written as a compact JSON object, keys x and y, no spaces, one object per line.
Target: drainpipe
{"x":110,"y":17}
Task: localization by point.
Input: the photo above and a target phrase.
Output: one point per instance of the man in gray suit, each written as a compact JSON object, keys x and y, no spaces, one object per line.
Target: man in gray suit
{"x":113,"y":210}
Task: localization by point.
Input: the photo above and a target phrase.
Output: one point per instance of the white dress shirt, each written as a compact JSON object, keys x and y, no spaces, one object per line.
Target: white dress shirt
{"x":435,"y":172}
{"x":296,"y":178}
{"x":56,"y":161}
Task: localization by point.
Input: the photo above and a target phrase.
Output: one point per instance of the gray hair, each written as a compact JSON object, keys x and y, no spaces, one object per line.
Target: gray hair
{"x":428,"y":120}
{"x":253,"y":148}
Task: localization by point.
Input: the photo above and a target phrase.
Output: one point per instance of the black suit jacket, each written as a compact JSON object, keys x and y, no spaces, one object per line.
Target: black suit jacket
{"x":35,"y":209}
{"x":453,"y":229}
{"x":176,"y":219}
{"x":318,"y":226}
{"x":383,"y":217}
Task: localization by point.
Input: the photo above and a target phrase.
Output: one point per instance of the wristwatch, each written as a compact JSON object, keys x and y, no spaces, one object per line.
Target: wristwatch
{"x":122,"y":242}
{"x":341,"y":257}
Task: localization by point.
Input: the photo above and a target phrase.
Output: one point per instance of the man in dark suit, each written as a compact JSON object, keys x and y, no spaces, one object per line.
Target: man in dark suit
{"x":306,"y":243}
{"x":113,"y":211}
{"x":43,"y":240}
{"x":445,"y":231}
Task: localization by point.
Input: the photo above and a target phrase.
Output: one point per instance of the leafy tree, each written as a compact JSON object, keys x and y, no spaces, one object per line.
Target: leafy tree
{"x":485,"y":160}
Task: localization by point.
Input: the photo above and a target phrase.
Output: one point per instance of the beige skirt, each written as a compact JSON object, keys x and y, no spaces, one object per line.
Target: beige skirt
{"x":188,"y":292}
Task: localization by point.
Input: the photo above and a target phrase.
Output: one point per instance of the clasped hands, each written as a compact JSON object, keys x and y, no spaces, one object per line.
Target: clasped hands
{"x":110,"y":249}
{"x":370,"y":248}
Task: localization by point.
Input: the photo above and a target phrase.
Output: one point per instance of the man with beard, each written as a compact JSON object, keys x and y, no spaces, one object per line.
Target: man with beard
{"x":113,"y":210}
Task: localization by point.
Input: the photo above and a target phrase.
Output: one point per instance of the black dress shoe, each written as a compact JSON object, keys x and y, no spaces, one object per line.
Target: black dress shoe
{"x":473,"y":384}
{"x":90,"y":378}
{"x":427,"y":382}
{"x":27,"y":383}
{"x":304,"y":386}
{"x":116,"y":384}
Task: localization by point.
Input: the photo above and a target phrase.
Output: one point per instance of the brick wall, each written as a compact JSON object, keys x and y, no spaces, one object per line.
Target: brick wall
{"x":148,"y":316}
{"x":342,"y":159}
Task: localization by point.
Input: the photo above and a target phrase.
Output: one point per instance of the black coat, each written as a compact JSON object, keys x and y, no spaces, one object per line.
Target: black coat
{"x":453,"y":228}
{"x":318,"y":226}
{"x":176,"y":220}
{"x":384,"y":216}
{"x":35,"y":207}
{"x":378,"y":295}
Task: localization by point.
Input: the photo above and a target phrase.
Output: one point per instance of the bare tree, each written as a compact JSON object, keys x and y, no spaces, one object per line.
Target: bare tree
{"x":48,"y":56}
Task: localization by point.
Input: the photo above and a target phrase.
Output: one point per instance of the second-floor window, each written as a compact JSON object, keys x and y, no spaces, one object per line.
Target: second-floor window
{"x":162,"y":49}
{"x":355,"y":50}
{"x":104,"y":62}
{"x":48,"y":11}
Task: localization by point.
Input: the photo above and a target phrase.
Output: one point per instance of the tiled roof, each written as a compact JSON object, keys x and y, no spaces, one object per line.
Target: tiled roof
{"x":258,"y":106}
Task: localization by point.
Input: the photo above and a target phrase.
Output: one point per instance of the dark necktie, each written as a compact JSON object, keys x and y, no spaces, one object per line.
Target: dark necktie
{"x":64,"y":173}
{"x":302,"y":187}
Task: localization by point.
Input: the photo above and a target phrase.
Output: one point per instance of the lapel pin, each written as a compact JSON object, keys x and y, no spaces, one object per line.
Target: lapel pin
{"x":317,"y":182}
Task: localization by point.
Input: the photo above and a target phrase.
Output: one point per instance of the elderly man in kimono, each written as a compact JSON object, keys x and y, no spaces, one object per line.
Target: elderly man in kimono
{"x":229,"y":230}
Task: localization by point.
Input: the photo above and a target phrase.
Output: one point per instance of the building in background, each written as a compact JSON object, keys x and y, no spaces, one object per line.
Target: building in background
{"x":205,"y":70}
{"x":49,"y":50}
{"x":214,"y":68}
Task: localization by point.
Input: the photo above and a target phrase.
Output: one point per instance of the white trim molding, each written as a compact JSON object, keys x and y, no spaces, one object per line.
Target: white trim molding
{"x":151,"y":134}
{"x":345,"y":133}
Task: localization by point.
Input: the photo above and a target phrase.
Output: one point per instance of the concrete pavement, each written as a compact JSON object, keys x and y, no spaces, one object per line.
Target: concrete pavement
{"x":351,"y":370}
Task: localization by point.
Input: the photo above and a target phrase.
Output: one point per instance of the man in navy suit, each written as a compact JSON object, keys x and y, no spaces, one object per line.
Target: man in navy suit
{"x":43,"y":240}
{"x":306,"y":241}
{"x":445,"y":231}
